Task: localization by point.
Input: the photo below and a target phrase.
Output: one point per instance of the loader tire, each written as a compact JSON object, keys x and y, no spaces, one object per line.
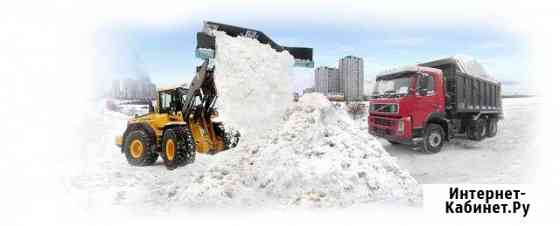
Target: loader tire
{"x":138,"y":149}
{"x":434,"y":137}
{"x":492,"y":128}
{"x":177,"y":148}
{"x":477,"y":130}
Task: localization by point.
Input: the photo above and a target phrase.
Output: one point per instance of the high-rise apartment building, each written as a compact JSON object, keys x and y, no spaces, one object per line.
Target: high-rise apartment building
{"x":326,"y":80}
{"x":352,"y":77}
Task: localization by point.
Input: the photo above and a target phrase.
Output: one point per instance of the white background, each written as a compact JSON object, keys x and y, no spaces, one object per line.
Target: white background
{"x":46,"y":71}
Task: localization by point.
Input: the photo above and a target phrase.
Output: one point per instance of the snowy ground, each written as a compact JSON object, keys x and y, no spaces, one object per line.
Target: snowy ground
{"x":319,"y":158}
{"x":105,"y":179}
{"x":506,"y":158}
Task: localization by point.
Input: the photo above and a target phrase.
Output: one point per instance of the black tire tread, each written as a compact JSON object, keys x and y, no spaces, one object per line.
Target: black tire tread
{"x":491,"y":132}
{"x":184,"y":151}
{"x":149,"y":156}
{"x":475,"y":130}
{"x":425,"y":146}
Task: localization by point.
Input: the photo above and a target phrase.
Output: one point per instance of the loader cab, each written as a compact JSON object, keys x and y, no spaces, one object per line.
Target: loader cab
{"x":171,"y":100}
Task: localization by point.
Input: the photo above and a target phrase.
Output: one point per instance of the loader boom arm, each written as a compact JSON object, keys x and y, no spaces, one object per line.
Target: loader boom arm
{"x":203,"y":87}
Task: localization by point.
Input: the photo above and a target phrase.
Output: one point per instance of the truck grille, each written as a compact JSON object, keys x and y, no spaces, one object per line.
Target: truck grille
{"x":383,"y":122}
{"x":386,"y":108}
{"x":382,"y":131}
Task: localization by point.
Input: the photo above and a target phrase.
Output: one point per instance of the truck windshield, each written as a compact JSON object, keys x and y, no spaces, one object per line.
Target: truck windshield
{"x":397,"y":86}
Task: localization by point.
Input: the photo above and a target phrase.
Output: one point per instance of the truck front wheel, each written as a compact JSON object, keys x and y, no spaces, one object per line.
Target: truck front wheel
{"x":433,"y":138}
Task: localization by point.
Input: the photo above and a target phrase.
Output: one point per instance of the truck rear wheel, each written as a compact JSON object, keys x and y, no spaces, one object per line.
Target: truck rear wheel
{"x":177,"y":147}
{"x":477,"y":130}
{"x":433,"y":138}
{"x":138,"y":149}
{"x":492,"y":129}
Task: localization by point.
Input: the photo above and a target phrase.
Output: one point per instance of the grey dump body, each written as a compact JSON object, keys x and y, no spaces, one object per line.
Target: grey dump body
{"x":468,"y":88}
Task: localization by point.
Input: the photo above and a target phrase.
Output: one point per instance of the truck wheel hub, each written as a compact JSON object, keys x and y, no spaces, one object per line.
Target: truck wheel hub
{"x":434,"y":139}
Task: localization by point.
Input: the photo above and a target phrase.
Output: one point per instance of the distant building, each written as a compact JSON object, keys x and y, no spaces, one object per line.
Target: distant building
{"x":321,"y":80}
{"x":308,"y":90}
{"x":133,"y":89}
{"x":327,"y":80}
{"x":334,"y":81}
{"x":352,"y":77}
{"x":116,"y":88}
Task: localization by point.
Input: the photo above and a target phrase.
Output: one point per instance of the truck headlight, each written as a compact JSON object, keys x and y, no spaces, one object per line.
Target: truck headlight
{"x":400,"y":128}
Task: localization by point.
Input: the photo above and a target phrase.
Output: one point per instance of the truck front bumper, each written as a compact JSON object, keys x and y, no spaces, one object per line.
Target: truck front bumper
{"x":393,"y":129}
{"x":402,"y":140}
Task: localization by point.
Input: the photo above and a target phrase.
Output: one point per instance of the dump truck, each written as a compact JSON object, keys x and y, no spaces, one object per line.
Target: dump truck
{"x":183,"y":120}
{"x":430,"y":103}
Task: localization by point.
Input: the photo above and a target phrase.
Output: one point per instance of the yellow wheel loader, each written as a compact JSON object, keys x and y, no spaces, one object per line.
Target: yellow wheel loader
{"x":181,"y":123}
{"x":178,"y":126}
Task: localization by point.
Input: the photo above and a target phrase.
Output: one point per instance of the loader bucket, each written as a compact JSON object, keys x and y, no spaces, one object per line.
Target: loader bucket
{"x":206,"y":43}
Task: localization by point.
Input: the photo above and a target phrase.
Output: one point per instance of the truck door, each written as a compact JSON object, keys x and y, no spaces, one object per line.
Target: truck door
{"x":427,"y":100}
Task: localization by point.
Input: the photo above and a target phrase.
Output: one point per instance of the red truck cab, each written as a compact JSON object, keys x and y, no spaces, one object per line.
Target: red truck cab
{"x":395,"y":116}
{"x":427,"y":104}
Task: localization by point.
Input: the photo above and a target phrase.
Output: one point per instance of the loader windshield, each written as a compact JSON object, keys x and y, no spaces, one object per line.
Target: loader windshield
{"x":393,"y":86}
{"x":171,"y":101}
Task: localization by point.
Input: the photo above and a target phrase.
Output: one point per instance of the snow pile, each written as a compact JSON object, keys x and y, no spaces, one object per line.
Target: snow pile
{"x":253,"y":82}
{"x":318,"y":157}
{"x":470,"y":65}
{"x":308,"y":152}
